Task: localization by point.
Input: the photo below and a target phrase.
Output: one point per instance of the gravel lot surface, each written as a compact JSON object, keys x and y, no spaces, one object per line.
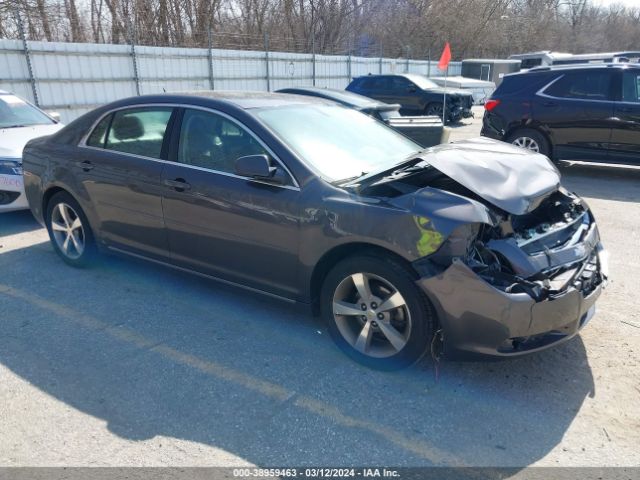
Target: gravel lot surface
{"x":132,"y":364}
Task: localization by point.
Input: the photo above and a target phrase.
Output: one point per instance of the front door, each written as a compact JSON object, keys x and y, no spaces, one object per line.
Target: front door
{"x":625,"y":136}
{"x":120,"y":169}
{"x":225,"y":225}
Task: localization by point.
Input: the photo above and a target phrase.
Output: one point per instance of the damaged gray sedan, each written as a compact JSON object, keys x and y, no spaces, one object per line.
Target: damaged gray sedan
{"x":472,"y":247}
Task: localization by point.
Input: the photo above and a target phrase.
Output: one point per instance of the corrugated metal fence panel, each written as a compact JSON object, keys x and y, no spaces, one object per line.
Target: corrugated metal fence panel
{"x":290,"y":70}
{"x":75,"y":77}
{"x":332,"y":71}
{"x":164,"y":69}
{"x":239,"y":70}
{"x":80,"y":76}
{"x":14,"y":74}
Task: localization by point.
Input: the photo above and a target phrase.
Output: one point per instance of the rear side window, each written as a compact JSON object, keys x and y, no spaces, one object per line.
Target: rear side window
{"x":99,"y":134}
{"x":631,"y":87}
{"x":517,"y":83}
{"x":590,"y":85}
{"x":139,"y":131}
{"x":375,"y":83}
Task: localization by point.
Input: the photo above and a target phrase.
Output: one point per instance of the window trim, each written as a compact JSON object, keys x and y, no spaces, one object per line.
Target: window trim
{"x":542,"y":92}
{"x":173,"y":126}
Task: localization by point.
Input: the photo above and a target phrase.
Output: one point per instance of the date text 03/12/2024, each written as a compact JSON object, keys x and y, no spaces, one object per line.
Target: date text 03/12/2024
{"x":315,"y":472}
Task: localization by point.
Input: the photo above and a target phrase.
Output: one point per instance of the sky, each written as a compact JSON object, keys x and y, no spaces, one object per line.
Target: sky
{"x":627,"y":3}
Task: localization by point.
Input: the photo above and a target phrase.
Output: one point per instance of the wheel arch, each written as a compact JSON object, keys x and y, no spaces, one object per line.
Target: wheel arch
{"x":339,"y":253}
{"x":52,"y":190}
{"x":523,"y":126}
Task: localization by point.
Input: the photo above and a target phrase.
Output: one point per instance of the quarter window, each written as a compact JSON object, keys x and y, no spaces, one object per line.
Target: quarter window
{"x":631,"y":87}
{"x":138,"y":131}
{"x":211,"y":141}
{"x":99,"y":134}
{"x":593,"y":85}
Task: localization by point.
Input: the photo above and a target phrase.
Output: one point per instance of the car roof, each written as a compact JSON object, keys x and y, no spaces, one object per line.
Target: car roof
{"x":341,"y":96}
{"x":582,"y":66}
{"x":208,"y":98}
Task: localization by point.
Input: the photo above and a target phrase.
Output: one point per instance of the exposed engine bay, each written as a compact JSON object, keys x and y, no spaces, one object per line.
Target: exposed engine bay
{"x":541,"y":253}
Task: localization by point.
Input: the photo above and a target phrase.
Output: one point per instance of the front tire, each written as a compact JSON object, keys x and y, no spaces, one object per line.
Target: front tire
{"x":434,"y":109}
{"x":376,"y":313}
{"x":69,"y":231}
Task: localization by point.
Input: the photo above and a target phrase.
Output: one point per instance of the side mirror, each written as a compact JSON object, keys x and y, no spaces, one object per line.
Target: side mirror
{"x":55,"y":116}
{"x":259,"y":167}
{"x":411,"y":88}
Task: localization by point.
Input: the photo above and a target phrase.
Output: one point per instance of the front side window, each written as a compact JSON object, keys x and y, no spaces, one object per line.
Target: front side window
{"x":400,"y":83}
{"x":139,"y":131}
{"x":631,"y":87}
{"x":591,"y":85}
{"x":212,"y":141}
{"x":338,"y":142}
{"x":15,"y":112}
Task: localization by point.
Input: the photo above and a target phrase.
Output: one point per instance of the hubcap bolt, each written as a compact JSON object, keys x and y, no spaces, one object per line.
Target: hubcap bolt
{"x":380,"y":316}
{"x":364,"y":318}
{"x":363,"y":306}
{"x":374,"y":323}
{"x":374,"y":305}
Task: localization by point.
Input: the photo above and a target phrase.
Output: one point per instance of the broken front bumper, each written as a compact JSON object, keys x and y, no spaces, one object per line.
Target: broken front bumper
{"x":12,"y":195}
{"x":479,"y":318}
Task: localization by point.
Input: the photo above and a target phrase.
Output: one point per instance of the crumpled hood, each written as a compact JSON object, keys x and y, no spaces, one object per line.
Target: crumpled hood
{"x":509,"y":177}
{"x":13,"y":140}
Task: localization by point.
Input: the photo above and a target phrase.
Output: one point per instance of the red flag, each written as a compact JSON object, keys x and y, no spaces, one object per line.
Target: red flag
{"x":445,"y":58}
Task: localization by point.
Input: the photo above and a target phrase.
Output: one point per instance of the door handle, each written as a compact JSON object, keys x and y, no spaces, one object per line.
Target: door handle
{"x":179,"y":184}
{"x":85,"y":165}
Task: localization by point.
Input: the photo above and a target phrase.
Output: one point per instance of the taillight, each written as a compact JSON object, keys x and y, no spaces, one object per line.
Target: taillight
{"x":491,"y":104}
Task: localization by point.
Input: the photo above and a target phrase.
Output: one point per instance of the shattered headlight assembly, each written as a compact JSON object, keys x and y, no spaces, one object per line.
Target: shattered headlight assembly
{"x":10,"y":166}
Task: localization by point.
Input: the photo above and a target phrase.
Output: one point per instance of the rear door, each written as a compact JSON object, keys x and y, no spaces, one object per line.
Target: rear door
{"x":222,"y":224}
{"x":377,"y":87}
{"x":406,"y":93}
{"x":577,"y":110}
{"x":625,"y":136}
{"x":121,"y":171}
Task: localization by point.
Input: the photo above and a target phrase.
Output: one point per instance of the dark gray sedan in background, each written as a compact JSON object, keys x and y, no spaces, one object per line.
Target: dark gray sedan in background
{"x":472,"y":246}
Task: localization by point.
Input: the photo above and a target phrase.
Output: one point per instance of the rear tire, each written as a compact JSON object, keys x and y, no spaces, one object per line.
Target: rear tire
{"x":531,"y":140}
{"x":69,"y":231}
{"x":376,"y":313}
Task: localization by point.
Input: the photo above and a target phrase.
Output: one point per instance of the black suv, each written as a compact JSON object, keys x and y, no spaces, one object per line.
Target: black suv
{"x":417,"y":95}
{"x":577,"y":112}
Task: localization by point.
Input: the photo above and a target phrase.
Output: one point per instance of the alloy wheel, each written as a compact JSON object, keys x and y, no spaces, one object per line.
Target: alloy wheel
{"x":68,"y":231}
{"x":372,"y":315}
{"x":527,"y":143}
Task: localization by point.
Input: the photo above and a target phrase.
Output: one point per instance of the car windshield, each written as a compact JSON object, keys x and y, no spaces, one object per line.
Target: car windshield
{"x":338,"y":142}
{"x":422,"y":82}
{"x":15,"y":112}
